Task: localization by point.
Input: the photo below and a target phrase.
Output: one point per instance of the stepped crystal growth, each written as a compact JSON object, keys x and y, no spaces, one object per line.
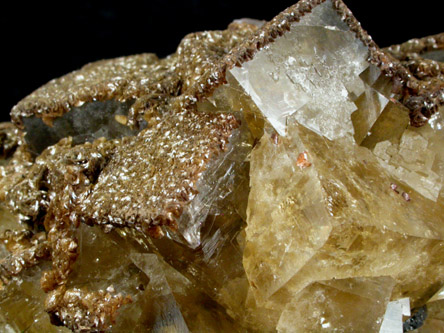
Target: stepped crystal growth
{"x":271,"y":177}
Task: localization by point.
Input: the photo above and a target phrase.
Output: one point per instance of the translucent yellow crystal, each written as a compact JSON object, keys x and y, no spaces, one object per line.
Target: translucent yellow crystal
{"x":417,"y":159}
{"x":22,"y":306}
{"x":434,"y":322}
{"x":287,"y":219}
{"x":367,"y":228}
{"x":347,"y":305}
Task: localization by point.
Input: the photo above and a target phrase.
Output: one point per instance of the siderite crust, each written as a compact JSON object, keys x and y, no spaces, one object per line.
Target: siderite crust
{"x":167,"y":160}
{"x":152,"y":82}
{"x":271,"y":177}
{"x":423,"y":57}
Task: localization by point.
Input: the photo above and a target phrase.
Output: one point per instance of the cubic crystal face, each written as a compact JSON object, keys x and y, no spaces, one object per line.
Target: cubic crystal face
{"x":309,"y":73}
{"x":417,"y":159}
{"x":272,"y":177}
{"x":336,"y":303}
{"x":364,"y":227}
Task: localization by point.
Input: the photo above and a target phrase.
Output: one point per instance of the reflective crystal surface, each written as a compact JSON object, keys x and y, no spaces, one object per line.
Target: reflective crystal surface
{"x":309,"y":72}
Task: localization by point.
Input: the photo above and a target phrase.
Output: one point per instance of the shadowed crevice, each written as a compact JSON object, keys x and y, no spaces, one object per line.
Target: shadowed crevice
{"x":84,"y":124}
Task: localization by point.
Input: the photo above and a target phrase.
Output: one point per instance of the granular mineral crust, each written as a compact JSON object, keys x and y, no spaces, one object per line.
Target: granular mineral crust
{"x":271,"y":177}
{"x":81,"y":310}
{"x":167,"y":160}
{"x":427,"y":47}
{"x":26,"y":250}
{"x":152,"y":82}
{"x":9,"y":140}
{"x":423,"y":58}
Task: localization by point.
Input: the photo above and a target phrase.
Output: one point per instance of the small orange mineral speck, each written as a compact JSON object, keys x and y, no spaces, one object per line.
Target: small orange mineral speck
{"x":275,"y":138}
{"x":302,"y":160}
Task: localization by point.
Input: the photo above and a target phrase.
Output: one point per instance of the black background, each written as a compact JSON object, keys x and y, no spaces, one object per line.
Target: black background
{"x":44,"y":40}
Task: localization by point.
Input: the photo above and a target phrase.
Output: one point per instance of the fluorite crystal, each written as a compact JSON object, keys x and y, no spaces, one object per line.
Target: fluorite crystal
{"x":271,"y":177}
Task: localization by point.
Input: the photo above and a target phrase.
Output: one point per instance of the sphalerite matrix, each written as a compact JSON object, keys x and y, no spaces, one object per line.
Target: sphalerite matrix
{"x":271,"y":177}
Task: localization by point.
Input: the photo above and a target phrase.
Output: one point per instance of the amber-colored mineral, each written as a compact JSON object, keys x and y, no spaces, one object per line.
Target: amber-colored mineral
{"x":272,"y":177}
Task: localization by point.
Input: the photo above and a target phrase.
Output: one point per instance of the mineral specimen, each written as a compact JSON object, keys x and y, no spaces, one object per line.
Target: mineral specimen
{"x":272,"y":177}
